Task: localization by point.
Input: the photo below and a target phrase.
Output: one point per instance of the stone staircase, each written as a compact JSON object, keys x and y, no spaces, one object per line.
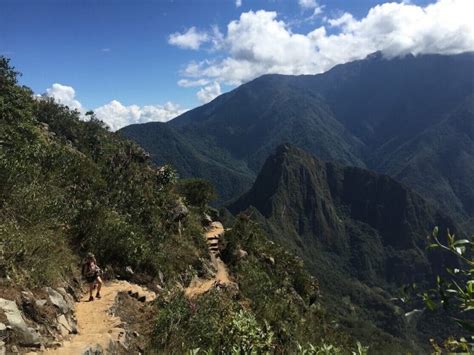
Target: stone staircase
{"x":212,"y":237}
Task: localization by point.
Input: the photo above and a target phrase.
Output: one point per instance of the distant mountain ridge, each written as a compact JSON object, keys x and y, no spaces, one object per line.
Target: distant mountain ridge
{"x":358,"y":232}
{"x":375,"y":113}
{"x":320,"y":206}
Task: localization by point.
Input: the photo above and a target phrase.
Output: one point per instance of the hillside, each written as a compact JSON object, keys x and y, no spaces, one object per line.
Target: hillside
{"x":374,"y":113}
{"x":358,"y":232}
{"x":70,"y":187}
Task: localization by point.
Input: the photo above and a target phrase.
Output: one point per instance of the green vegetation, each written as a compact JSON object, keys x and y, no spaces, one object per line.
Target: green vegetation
{"x":70,"y":186}
{"x":197,"y":192}
{"x":455,"y":291}
{"x":409,"y":117}
{"x":276,"y":308}
{"x":360,"y":234}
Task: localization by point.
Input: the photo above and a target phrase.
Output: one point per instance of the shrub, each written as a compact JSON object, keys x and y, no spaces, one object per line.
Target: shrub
{"x":197,"y":192}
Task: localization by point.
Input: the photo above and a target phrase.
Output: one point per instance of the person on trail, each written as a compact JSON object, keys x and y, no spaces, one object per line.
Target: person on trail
{"x":91,"y":272}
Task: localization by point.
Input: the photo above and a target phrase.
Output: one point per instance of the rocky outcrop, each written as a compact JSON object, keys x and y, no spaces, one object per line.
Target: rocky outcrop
{"x":36,"y":320}
{"x":373,"y":225}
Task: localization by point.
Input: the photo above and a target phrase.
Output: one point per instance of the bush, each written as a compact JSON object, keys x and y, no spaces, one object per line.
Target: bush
{"x":197,"y":192}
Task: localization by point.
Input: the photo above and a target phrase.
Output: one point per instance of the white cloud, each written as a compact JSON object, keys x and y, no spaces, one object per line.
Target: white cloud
{"x":115,"y":114}
{"x":191,"y":39}
{"x":209,"y":93}
{"x":308,"y":4}
{"x":259,"y":43}
{"x":186,"y":83}
{"x":311,"y":5}
{"x":65,"y":95}
{"x":238,"y":3}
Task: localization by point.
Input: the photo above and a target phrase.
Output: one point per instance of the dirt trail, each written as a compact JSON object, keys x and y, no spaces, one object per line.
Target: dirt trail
{"x":199,"y":286}
{"x":96,"y":326}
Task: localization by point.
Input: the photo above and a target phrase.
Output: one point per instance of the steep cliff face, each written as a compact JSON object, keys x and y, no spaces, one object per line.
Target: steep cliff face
{"x":409,"y":117}
{"x":374,"y":226}
{"x":363,"y":235}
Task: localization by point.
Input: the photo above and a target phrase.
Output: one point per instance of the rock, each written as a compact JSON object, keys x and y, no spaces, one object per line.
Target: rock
{"x":67,"y":297}
{"x":73,"y":292}
{"x":58,"y":300}
{"x":161,"y":277}
{"x":64,"y":326}
{"x":27,"y":294}
{"x":14,"y":349}
{"x":72,"y":322}
{"x":129,"y":270}
{"x":93,"y":350}
{"x":142,"y":299}
{"x":27,"y":336}
{"x":242,"y":253}
{"x":135,"y":334}
{"x":3,"y":331}
{"x":3,"y":349}
{"x":41,"y":303}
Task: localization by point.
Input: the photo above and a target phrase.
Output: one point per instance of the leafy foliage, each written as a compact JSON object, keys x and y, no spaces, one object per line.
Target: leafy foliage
{"x":71,"y":185}
{"x":198,"y":192}
{"x":457,"y":291}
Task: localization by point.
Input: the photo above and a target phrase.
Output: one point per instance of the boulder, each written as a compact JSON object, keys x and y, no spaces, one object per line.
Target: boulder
{"x":59,"y":301}
{"x":67,"y":325}
{"x":68,"y":298}
{"x":27,"y":336}
{"x":64,"y":327}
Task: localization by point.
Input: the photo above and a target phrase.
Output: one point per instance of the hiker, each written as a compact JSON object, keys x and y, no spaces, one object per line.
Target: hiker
{"x":91,"y":272}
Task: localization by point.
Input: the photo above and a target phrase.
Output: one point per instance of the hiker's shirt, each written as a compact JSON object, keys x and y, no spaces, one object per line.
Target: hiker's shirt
{"x":91,"y":271}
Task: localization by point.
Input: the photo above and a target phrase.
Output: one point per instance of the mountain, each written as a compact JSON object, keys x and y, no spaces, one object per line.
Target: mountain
{"x":70,"y":187}
{"x":358,"y":232}
{"x":375,"y":113}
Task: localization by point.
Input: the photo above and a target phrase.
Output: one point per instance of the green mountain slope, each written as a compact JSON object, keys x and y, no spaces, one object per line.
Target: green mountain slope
{"x":357,"y":231}
{"x":69,"y":187}
{"x":357,"y":114}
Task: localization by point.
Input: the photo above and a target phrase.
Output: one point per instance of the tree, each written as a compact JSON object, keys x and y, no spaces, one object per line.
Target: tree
{"x":198,"y":192}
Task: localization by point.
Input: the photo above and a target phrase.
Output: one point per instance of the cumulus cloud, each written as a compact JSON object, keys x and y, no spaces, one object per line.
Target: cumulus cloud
{"x":238,"y":3}
{"x":191,"y":39}
{"x":186,"y":83}
{"x":209,"y":92}
{"x":259,"y":43}
{"x":65,"y":95}
{"x":115,"y":114}
{"x":311,"y":5}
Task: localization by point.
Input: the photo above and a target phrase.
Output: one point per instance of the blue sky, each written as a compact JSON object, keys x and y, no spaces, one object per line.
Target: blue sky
{"x":122,"y":50}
